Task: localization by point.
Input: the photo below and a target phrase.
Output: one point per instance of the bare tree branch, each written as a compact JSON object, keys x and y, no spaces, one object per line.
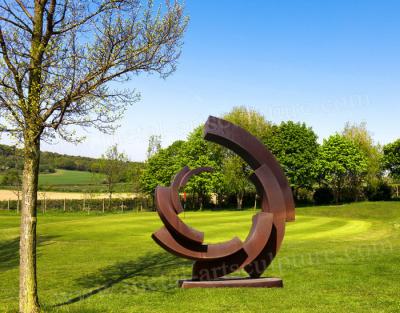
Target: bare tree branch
{"x":22,"y":6}
{"x":18,"y":22}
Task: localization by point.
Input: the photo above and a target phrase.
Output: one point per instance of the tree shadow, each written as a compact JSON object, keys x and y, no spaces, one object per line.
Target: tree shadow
{"x":9,"y":251}
{"x":151,"y":272}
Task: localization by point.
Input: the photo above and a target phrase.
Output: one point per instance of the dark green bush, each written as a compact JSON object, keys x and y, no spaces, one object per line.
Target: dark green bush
{"x":379,"y":192}
{"x":323,"y":195}
{"x":46,"y":169}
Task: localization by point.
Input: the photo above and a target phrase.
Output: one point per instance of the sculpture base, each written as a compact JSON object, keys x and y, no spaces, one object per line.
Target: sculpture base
{"x":233,"y":283}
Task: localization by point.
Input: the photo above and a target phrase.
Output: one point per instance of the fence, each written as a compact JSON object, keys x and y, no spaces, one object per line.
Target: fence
{"x":77,"y":205}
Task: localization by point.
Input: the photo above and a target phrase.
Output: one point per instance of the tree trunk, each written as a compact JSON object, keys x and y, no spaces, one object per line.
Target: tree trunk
{"x":295,"y":193}
{"x":28,"y":297}
{"x":18,"y":202}
{"x":239,"y":200}
{"x":109,"y":200}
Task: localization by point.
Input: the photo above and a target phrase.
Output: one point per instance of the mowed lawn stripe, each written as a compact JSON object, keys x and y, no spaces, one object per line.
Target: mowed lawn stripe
{"x":330,"y":261}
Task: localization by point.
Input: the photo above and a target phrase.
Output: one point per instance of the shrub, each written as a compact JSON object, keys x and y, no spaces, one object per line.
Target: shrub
{"x":379,"y":192}
{"x":11,"y":178}
{"x":323,"y":195}
{"x":304,"y":196}
{"x":46,"y":169}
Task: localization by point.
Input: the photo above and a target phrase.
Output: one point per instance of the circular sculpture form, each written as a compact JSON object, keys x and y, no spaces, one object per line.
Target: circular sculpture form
{"x":255,"y":254}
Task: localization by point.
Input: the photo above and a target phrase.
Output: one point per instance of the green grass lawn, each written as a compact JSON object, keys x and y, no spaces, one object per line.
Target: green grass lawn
{"x":75,"y":181}
{"x":78,"y":181}
{"x":66,"y":177}
{"x":334,"y":259}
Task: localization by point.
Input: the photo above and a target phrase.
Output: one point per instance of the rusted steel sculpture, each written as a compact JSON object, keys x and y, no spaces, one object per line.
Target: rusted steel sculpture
{"x":255,"y":254}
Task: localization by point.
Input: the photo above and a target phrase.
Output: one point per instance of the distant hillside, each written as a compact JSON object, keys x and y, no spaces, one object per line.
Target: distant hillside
{"x":49,"y":161}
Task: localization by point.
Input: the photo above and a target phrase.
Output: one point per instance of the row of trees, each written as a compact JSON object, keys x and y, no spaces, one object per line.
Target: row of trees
{"x":347,"y":166}
{"x":11,"y":159}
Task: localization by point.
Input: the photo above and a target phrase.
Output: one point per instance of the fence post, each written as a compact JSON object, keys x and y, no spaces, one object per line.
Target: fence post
{"x":103,"y":205}
{"x":8,"y":205}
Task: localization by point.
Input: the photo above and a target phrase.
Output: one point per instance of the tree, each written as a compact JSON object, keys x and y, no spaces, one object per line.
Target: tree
{"x":114,"y":165}
{"x":251,"y":120}
{"x":199,"y":153}
{"x":230,"y":173}
{"x":57,"y":60}
{"x":161,"y":167}
{"x":236,"y":172}
{"x":195,"y":152}
{"x":360,"y":136}
{"x":133,"y":174}
{"x":154,"y":145}
{"x":236,"y":178}
{"x":11,"y":178}
{"x":338,"y":161}
{"x":296,"y":148}
{"x":391,"y":159}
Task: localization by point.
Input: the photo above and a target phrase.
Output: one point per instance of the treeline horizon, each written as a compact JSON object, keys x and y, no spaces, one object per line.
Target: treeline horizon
{"x":121,"y":174}
{"x":11,"y":158}
{"x":347,"y":166}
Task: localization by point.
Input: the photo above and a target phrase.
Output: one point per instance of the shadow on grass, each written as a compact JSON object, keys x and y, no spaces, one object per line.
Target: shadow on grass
{"x":151,"y":272}
{"x":9,"y":251}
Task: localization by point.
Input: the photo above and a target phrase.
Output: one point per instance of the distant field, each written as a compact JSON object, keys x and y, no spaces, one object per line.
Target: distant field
{"x":77,"y":181}
{"x":65,"y":177}
{"x":333,"y":259}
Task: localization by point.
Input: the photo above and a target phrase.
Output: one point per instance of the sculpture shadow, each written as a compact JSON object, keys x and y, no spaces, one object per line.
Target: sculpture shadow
{"x":151,"y":272}
{"x":9,"y":251}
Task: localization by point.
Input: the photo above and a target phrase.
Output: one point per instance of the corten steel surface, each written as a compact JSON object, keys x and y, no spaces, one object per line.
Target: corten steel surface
{"x":255,"y":254}
{"x":233,"y":283}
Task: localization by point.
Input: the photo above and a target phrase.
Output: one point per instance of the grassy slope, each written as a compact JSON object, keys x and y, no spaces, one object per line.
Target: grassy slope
{"x":75,"y":181}
{"x":334,"y":259}
{"x":65,"y":177}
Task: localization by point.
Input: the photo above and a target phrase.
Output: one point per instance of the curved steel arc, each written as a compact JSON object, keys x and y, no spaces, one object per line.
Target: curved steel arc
{"x":203,"y":252}
{"x":171,"y":220}
{"x":180,"y":180}
{"x":251,"y":150}
{"x":194,"y":172}
{"x":268,"y":227}
{"x":175,"y":185}
{"x":253,"y":246}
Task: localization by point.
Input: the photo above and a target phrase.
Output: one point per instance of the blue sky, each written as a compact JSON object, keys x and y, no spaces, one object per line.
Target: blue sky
{"x":320,"y":62}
